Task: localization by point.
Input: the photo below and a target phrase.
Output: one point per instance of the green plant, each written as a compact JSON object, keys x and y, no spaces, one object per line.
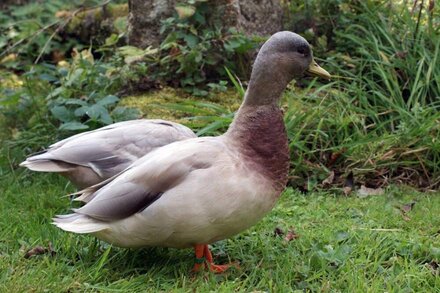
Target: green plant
{"x":43,"y":31}
{"x":196,"y":48}
{"x":83,"y":96}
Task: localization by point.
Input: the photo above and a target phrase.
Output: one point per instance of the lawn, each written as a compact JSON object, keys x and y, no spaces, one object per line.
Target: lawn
{"x":376,"y":123}
{"x":379,"y":243}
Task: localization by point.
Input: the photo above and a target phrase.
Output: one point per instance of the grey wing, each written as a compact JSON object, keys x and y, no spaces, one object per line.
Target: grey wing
{"x":111,"y":149}
{"x":146,"y":181}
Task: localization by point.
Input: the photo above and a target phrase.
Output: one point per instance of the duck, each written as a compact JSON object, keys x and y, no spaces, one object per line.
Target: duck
{"x":90,"y":157}
{"x":194,"y":192}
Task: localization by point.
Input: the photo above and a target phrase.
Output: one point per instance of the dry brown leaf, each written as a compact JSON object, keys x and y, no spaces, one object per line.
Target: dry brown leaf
{"x":408,"y":207}
{"x":347,"y":190}
{"x":38,"y":250}
{"x":329,"y":180}
{"x":291,"y":235}
{"x":405,"y":217}
{"x":335,"y":156}
{"x":365,"y":191}
{"x":405,"y":209}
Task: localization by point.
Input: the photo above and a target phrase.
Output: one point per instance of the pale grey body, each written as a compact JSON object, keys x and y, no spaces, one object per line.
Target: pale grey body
{"x":91,"y":157}
{"x":201,"y":190}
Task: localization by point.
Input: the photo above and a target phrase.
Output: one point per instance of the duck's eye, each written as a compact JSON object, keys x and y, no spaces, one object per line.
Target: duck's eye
{"x":303,"y":50}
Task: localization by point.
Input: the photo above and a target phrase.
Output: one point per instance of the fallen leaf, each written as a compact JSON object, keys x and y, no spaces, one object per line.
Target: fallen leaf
{"x":63,"y":14}
{"x":365,"y":191}
{"x":405,"y":217}
{"x":278,"y":232}
{"x":401,"y":54}
{"x":38,"y":250}
{"x":408,"y":207}
{"x":329,"y":180}
{"x":291,"y":235}
{"x":347,"y":190}
{"x":335,"y":156}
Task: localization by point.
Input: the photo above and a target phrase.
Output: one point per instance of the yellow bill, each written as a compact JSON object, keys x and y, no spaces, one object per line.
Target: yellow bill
{"x":316,"y":70}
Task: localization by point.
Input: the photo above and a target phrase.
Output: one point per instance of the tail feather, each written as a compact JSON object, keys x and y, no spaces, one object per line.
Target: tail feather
{"x":45,"y":162}
{"x":44,"y":165}
{"x":87,"y":194}
{"x":78,"y":223}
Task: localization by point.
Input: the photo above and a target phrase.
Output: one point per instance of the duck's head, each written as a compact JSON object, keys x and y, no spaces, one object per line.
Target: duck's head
{"x":291,"y":54}
{"x":283,"y":57}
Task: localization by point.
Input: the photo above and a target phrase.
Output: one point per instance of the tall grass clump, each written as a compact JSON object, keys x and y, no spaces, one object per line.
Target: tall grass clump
{"x":380,"y":118}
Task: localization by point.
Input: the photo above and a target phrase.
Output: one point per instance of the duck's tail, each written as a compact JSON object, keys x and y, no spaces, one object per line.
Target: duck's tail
{"x":78,"y":223}
{"x":45,"y":163}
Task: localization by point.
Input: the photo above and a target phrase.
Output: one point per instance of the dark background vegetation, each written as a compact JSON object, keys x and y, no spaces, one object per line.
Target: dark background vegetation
{"x":64,"y":68}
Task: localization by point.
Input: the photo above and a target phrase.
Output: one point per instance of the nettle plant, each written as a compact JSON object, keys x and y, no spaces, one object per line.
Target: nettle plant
{"x":197,"y":48}
{"x":84,"y":97}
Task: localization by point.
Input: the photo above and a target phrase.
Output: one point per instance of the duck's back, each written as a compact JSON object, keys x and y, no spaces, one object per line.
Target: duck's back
{"x":102,"y":153}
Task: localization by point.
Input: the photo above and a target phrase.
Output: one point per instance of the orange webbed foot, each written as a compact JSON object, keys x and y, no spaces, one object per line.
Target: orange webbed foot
{"x":204,"y":259}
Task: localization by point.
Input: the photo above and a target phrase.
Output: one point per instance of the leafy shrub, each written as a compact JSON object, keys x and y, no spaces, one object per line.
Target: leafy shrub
{"x":48,"y":29}
{"x":195,"y":50}
{"x":84,"y":95}
{"x":76,"y":96}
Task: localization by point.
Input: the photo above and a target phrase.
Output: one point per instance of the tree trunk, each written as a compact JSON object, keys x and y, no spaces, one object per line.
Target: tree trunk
{"x":252,"y":17}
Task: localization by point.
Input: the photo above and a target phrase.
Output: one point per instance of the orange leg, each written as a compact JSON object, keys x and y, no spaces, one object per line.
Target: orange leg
{"x":204,"y":257}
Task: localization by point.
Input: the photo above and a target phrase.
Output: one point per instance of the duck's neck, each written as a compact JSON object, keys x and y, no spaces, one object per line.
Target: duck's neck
{"x":259,"y":134}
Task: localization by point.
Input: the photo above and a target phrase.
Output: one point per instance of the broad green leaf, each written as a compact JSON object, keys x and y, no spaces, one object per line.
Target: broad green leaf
{"x":95,"y":111}
{"x":108,"y":100}
{"x":74,"y":76}
{"x":73,"y":126}
{"x":75,"y":102}
{"x":124,"y":113}
{"x":81,"y":111}
{"x":105,"y":117}
{"x":61,"y":113}
{"x":112,"y":40}
{"x":120,"y":23}
{"x":130,"y":51}
{"x":191,"y":40}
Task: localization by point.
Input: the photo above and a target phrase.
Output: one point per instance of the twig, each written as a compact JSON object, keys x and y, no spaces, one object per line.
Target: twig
{"x":379,"y":229}
{"x":81,"y":9}
{"x":29,"y":37}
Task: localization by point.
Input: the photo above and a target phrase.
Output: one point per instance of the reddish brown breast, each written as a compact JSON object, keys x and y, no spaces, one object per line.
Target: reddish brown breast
{"x":261,"y":138}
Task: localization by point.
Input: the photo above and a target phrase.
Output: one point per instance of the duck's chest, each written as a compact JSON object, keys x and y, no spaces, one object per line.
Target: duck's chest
{"x":263,"y":145}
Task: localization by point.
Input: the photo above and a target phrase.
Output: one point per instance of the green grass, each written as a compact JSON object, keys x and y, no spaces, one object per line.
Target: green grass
{"x":339,"y":247}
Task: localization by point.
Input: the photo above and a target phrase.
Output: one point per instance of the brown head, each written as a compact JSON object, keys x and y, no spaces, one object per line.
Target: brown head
{"x":283,"y":57}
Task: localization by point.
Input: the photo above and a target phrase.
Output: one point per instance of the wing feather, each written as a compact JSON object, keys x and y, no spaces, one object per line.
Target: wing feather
{"x":148,"y":179}
{"x":110,"y":149}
